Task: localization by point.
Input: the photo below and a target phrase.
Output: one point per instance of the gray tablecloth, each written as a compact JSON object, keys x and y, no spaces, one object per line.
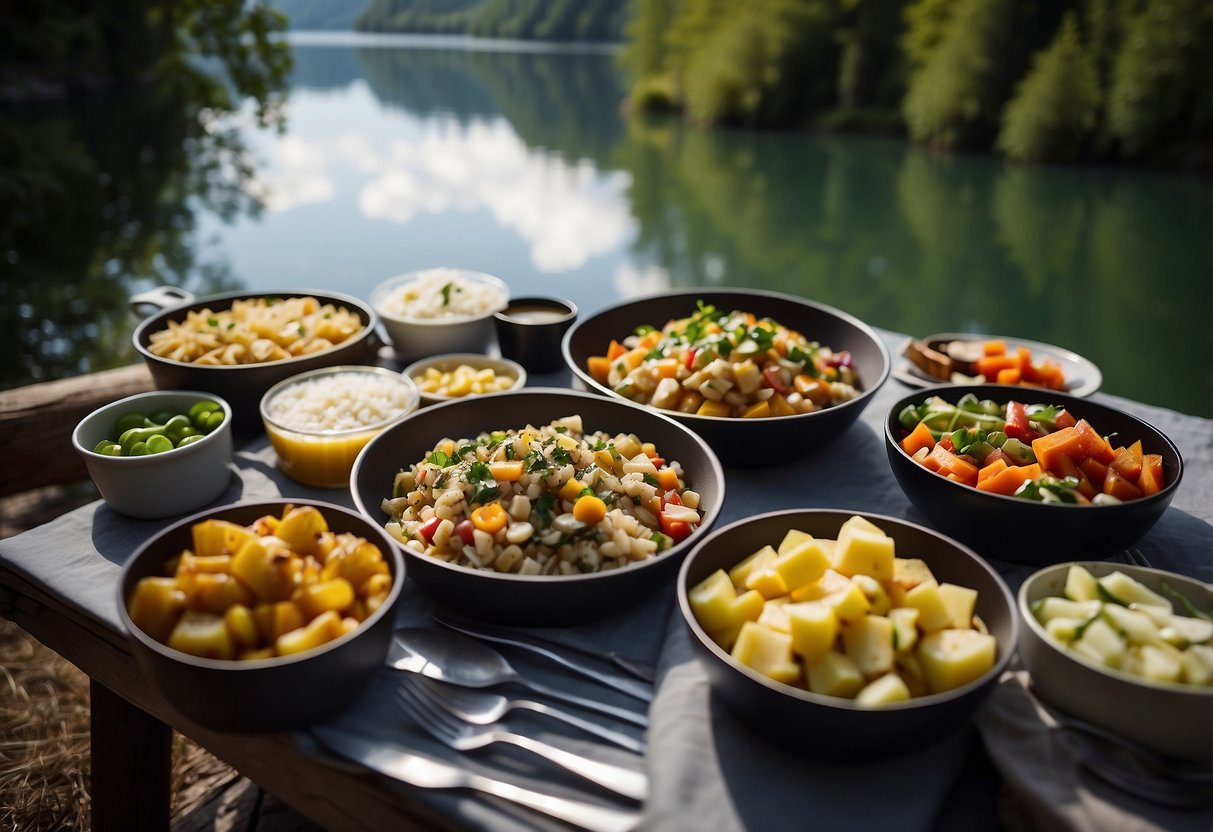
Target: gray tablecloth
{"x":708,"y":772}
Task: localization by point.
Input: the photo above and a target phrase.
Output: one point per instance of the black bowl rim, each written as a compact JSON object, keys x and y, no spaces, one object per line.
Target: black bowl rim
{"x":709,"y":516}
{"x":1005,"y":652}
{"x":251,"y":665}
{"x":869,"y":388}
{"x":1021,"y":601}
{"x":156,"y":321}
{"x":1078,"y":402}
{"x":555,"y":302}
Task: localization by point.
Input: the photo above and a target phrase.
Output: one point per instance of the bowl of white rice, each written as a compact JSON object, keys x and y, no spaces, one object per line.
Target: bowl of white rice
{"x":320,"y":420}
{"x":439,"y":311}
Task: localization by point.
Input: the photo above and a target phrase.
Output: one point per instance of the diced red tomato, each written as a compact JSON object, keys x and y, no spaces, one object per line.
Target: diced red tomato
{"x":1018,"y":425}
{"x":1064,"y":420}
{"x":428,"y":528}
{"x":675,"y":529}
{"x":671,"y":498}
{"x":689,"y":363}
{"x":466,"y":530}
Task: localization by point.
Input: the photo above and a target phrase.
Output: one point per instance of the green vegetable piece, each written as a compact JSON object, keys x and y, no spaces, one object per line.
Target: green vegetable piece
{"x":161,"y":417}
{"x":909,"y":417}
{"x":179,"y":436}
{"x":204,"y":406}
{"x":208,"y":422}
{"x":190,"y":439}
{"x":158,"y":444}
{"x":138,"y":449}
{"x":996,"y":438}
{"x":1020,"y":453}
{"x":108,"y":447}
{"x":968,"y":402}
{"x":130,"y":420}
{"x":138,"y":435}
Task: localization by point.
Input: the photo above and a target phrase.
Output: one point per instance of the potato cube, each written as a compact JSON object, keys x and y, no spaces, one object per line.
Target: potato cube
{"x":712,"y":600}
{"x":314,"y":599}
{"x":802,"y":564}
{"x":861,"y":551}
{"x":202,"y":634}
{"x":905,"y":628}
{"x":910,"y":572}
{"x":792,"y":539}
{"x":241,"y":626}
{"x":960,"y":602}
{"x":829,"y":583}
{"x":275,"y":618}
{"x":756,"y":562}
{"x":868,"y":642}
{"x":1159,"y":664}
{"x":1197,"y":663}
{"x":909,"y":668}
{"x":862,"y":523}
{"x":952,"y":658}
{"x":321,"y":629}
{"x":874,"y":591}
{"x":885,"y":690}
{"x":849,"y":604}
{"x":155,"y":605}
{"x":767,"y":651}
{"x":933,"y":613}
{"x":775,"y":615}
{"x":301,"y":528}
{"x":768,"y":582}
{"x":834,"y":675}
{"x":271,"y":574}
{"x":219,"y":537}
{"x":814,"y":629}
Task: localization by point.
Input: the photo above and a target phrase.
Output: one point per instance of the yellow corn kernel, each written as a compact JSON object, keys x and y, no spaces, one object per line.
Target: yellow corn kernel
{"x":589,"y":509}
{"x":506,"y":471}
{"x":761,"y":410}
{"x":571,"y":489}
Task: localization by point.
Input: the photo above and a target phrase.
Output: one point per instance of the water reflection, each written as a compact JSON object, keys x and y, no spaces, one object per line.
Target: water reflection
{"x":521,"y":163}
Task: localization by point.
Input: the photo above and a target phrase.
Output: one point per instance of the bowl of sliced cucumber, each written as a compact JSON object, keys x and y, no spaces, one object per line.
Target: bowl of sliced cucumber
{"x":1127,"y":648}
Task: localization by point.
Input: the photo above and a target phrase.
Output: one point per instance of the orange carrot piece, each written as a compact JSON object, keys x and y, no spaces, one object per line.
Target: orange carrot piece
{"x":1064,"y":419}
{"x":667,"y":479}
{"x":1093,"y":443}
{"x":990,"y":365}
{"x":1119,"y":487}
{"x":1128,"y":461}
{"x":949,"y":463}
{"x":599,"y":367}
{"x":1094,"y":470}
{"x":1008,"y":481}
{"x":1023,"y":360}
{"x":1010,"y":375}
{"x":1150,"y":481}
{"x":987,"y":471}
{"x":920,"y":437}
{"x":615,"y":350}
{"x":1067,"y":468}
{"x":1064,"y":442}
{"x":994,"y":347}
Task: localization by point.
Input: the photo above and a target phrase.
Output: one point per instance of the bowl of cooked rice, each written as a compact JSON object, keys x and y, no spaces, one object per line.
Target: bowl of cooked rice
{"x":539,"y":507}
{"x":440,"y":310}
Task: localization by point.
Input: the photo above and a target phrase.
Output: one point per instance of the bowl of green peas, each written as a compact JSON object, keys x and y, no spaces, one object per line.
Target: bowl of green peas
{"x":158,"y":454}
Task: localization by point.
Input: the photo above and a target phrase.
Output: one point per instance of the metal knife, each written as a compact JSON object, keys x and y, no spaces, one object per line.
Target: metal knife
{"x":558,"y":653}
{"x":428,"y":773}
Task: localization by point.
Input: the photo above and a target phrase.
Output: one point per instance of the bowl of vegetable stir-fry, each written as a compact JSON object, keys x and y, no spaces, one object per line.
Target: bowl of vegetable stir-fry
{"x":1030,"y":475}
{"x":761,"y":376}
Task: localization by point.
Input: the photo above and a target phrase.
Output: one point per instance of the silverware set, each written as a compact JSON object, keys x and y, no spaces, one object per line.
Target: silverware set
{"x":445,"y":692}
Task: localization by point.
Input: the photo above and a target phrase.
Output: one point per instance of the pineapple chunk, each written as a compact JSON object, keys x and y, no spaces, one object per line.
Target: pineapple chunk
{"x":767,"y":651}
{"x":758,"y":561}
{"x":862,"y":551}
{"x":313,"y":599}
{"x":885,"y":690}
{"x":802,"y":564}
{"x":960,"y":602}
{"x":909,"y":668}
{"x":301,"y":528}
{"x":855,"y":521}
{"x":792,"y":539}
{"x":907,"y":574}
{"x":155,"y":605}
{"x":241,"y":626}
{"x":275,"y":618}
{"x":768,"y":582}
{"x":213,"y":591}
{"x":868,"y":642}
{"x":874,"y":591}
{"x":829,"y":583}
{"x":775,"y":615}
{"x":321,"y":629}
{"x":933,"y":613}
{"x":952,"y":658}
{"x":905,"y":628}
{"x":814,"y":628}
{"x":849,"y":604}
{"x":202,"y":634}
{"x":219,"y":537}
{"x":834,"y":675}
{"x":712,"y":600}
{"x":270,"y":573}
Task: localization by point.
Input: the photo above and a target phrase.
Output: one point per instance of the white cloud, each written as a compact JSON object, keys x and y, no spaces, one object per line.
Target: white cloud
{"x":631,"y":282}
{"x":296,"y":176}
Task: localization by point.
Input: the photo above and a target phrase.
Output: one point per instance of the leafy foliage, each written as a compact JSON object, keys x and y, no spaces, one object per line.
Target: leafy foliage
{"x":1056,"y":107}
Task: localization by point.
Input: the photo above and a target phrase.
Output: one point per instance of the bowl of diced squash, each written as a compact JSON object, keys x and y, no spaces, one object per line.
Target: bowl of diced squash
{"x":838,"y":633}
{"x":1030,"y":475}
{"x":263,"y":616}
{"x":1127,"y":648}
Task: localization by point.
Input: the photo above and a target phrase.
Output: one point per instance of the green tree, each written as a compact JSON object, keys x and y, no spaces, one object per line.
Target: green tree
{"x":1055,"y":111}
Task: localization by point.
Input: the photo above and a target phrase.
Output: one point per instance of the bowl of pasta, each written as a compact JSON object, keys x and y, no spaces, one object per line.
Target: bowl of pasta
{"x":540,"y":507}
{"x":761,"y":376}
{"x":238,"y":345}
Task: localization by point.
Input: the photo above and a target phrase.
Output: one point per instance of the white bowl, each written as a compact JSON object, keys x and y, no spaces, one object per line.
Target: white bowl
{"x":324,"y":457}
{"x":447,"y":363}
{"x":1171,"y":719}
{"x":417,"y":336}
{"x":164,"y":484}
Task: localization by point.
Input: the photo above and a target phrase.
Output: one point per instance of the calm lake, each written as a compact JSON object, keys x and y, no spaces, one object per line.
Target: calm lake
{"x":407,"y":153}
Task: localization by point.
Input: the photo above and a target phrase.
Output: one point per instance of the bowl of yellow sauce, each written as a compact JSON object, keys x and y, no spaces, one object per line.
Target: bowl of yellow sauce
{"x":319,"y":421}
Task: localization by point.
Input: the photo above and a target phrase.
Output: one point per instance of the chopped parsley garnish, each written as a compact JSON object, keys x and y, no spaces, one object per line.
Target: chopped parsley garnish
{"x":439,"y":458}
{"x":543,"y":509}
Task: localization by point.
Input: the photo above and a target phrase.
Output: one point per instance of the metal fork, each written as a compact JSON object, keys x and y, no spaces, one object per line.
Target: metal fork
{"x":462,"y":736}
{"x":1137,"y":558}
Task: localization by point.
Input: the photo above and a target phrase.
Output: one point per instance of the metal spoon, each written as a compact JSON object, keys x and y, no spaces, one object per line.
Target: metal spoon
{"x":452,"y":657}
{"x":483,"y":707}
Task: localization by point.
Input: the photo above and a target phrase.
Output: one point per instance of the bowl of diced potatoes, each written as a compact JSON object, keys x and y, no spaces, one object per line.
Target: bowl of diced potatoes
{"x":263,"y":616}
{"x":1124,"y":647}
{"x":846,"y":634}
{"x":442,"y":378}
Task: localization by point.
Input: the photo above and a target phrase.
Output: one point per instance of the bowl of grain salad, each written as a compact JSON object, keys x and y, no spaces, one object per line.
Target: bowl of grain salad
{"x":319,"y":421}
{"x":436,"y":311}
{"x":541,"y":506}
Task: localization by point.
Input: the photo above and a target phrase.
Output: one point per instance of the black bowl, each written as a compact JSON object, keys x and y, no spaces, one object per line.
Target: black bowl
{"x":1026,"y":531}
{"x":830,"y":726}
{"x":265,"y":694}
{"x":745,"y":441}
{"x":546,"y":600}
{"x":244,"y":384}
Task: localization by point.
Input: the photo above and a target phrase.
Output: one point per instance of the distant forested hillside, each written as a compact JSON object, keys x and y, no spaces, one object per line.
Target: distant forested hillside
{"x":1034,"y":80}
{"x":320,"y":14}
{"x":559,"y":20}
